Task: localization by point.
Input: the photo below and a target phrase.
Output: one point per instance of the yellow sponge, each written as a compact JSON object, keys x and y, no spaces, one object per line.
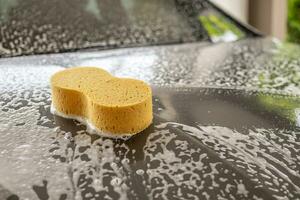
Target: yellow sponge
{"x":115,"y":106}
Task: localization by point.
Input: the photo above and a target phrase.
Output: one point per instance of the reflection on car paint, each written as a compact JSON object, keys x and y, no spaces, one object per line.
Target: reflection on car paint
{"x":220,"y":29}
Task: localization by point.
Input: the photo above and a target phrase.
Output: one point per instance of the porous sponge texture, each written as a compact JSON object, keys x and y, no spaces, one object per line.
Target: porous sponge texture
{"x":113,"y":105}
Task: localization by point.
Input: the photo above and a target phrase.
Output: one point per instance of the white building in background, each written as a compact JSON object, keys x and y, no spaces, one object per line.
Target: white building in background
{"x":268,"y":16}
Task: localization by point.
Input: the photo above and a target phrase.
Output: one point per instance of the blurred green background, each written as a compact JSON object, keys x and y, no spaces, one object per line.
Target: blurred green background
{"x":293,"y":21}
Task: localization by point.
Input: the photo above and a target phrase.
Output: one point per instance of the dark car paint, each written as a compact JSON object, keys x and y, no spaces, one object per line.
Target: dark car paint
{"x":54,"y":157}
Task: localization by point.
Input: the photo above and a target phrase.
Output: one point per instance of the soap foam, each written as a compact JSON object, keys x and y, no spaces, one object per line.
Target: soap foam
{"x":90,"y":127}
{"x":266,"y":162}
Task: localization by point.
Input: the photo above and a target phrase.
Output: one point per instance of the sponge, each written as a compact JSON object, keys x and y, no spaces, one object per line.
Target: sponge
{"x":113,"y":106}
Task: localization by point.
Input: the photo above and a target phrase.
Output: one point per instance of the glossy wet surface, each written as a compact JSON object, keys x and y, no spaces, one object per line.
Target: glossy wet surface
{"x":204,"y":143}
{"x":42,"y":26}
{"x":261,"y":63}
{"x":217,"y":143}
{"x":31,"y":27}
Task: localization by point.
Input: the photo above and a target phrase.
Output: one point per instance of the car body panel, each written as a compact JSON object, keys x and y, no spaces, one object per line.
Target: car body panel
{"x":225,"y":126}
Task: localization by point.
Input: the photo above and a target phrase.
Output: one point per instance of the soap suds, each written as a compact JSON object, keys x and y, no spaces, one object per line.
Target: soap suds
{"x":254,"y":153}
{"x":192,"y":163}
{"x":90,"y":127}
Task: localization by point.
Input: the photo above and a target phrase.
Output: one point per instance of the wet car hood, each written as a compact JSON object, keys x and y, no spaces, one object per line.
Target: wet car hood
{"x":227,"y":129}
{"x":259,"y":63}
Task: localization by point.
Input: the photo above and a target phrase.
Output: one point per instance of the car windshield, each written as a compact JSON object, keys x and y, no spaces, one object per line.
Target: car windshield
{"x":43,"y":26}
